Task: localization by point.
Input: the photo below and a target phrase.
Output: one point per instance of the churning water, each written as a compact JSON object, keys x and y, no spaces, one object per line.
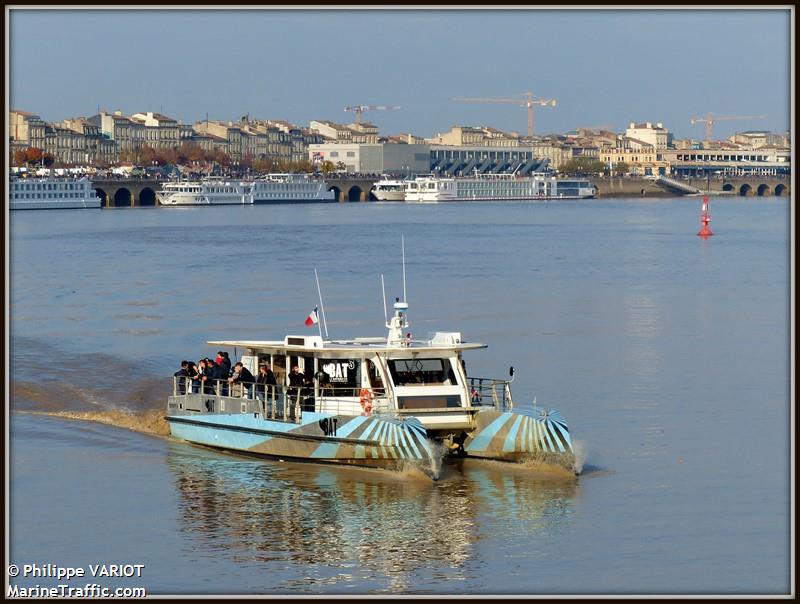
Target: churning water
{"x":667,"y":355}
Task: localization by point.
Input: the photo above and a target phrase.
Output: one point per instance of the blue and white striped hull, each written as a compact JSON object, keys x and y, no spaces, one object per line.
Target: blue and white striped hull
{"x":514,"y":437}
{"x":366,"y":441}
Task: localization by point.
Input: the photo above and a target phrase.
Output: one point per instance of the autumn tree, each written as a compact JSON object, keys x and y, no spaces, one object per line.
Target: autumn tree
{"x":33,"y":156}
{"x":20,"y":157}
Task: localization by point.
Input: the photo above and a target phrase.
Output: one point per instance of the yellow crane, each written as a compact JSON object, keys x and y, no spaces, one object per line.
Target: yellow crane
{"x":710,"y":119}
{"x":528,"y":102}
{"x":359,"y":109}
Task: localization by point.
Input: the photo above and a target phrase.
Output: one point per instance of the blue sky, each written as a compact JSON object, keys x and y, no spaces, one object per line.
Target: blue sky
{"x":602,"y":66}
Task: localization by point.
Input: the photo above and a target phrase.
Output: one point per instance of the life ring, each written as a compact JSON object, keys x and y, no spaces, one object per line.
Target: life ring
{"x":366,"y":398}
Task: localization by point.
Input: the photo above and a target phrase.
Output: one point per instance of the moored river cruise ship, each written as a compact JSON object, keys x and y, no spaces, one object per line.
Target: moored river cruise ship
{"x":51,"y":193}
{"x":287,"y":188}
{"x":208,"y":191}
{"x":496,"y":187}
{"x":384,"y":402}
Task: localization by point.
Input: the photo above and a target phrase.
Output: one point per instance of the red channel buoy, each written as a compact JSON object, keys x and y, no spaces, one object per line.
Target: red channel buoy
{"x":705,"y":219}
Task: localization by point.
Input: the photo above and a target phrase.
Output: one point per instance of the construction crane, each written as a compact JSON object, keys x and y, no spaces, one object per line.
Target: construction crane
{"x":710,"y":119}
{"x":359,"y":109}
{"x":528,"y":102}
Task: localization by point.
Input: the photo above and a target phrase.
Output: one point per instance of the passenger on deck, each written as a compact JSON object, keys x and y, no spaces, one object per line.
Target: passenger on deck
{"x":207,"y":371}
{"x":264,"y":380}
{"x":296,"y":382}
{"x":242,"y":377}
{"x":323,"y":380}
{"x":192,"y":373}
{"x":182,"y":374}
{"x":222,"y":372}
{"x":226,"y":361}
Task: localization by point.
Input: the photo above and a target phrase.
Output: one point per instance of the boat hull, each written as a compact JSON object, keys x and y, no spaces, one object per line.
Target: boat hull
{"x":267,"y":201}
{"x":380,"y":442}
{"x":389,"y":195}
{"x":509,"y":436}
{"x":54,"y":205}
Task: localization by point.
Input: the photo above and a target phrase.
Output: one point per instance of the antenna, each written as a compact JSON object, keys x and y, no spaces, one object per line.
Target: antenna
{"x":321,"y":305}
{"x":383,"y":287}
{"x":403,"y":244}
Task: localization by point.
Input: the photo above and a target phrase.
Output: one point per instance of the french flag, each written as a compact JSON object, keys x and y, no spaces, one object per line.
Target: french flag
{"x":312,"y":318}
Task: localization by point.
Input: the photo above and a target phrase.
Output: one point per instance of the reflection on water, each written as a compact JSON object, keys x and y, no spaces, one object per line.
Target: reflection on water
{"x":377,"y":529}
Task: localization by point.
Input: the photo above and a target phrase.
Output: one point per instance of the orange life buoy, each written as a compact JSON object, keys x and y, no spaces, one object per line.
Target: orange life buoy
{"x":366,"y":397}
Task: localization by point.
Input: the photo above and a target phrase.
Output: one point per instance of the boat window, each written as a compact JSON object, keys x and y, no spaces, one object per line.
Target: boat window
{"x":409,"y":372}
{"x":375,"y":379}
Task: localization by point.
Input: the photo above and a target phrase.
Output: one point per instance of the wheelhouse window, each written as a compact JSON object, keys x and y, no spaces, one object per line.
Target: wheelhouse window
{"x":413,"y":372}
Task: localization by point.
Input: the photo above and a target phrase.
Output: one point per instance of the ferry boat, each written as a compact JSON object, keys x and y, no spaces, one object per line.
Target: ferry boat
{"x":381,"y":402}
{"x":208,"y":191}
{"x":51,"y":193}
{"x":299,"y":188}
{"x":389,"y":189}
{"x":496,"y":187}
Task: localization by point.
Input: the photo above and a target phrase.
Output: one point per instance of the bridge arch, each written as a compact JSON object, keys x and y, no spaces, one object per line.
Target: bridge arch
{"x":728,"y":187}
{"x":354,"y":193}
{"x":764,"y":190}
{"x":337,"y":193}
{"x":123,"y":198}
{"x":103,"y":197}
{"x":147,"y":197}
{"x":780,"y":190}
{"x":745,"y":190}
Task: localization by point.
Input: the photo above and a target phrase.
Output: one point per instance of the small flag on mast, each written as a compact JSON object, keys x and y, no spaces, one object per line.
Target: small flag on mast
{"x":312,"y":318}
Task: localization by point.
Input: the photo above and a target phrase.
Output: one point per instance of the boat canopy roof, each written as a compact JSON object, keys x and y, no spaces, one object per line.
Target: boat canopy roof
{"x":440,"y":342}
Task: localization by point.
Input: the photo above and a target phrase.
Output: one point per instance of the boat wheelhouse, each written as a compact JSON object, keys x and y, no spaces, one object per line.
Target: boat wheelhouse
{"x":375,"y":401}
{"x":208,"y":191}
{"x":288,"y":188}
{"x":51,"y":193}
{"x":496,"y":187}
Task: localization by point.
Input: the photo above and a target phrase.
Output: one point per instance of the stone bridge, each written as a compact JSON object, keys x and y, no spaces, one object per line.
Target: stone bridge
{"x":126,"y":192}
{"x":744,"y":186}
{"x":632,"y":186}
{"x":352,"y":188}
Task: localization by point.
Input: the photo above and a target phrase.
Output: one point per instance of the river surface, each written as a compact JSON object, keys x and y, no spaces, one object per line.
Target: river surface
{"x":668,"y":356}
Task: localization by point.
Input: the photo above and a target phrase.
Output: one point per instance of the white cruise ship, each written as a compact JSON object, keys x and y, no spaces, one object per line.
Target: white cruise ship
{"x":209,"y":191}
{"x":496,"y":187}
{"x":51,"y":193}
{"x":388,"y":189}
{"x":287,"y":188}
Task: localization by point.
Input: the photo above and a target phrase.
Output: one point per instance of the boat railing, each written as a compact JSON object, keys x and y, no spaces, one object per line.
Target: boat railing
{"x":221,"y":396}
{"x":490,"y":392}
{"x":276,"y":402}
